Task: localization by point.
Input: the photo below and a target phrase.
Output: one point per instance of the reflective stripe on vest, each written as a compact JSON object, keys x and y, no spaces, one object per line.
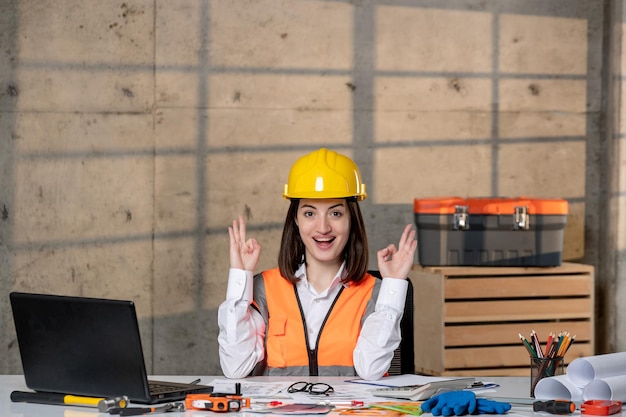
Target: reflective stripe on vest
{"x":286,"y":343}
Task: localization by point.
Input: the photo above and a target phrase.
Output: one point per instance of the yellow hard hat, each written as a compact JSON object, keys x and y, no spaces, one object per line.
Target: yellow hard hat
{"x":324,"y":174}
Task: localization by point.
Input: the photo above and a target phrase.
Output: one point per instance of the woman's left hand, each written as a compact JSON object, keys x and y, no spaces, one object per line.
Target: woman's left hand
{"x":397,"y":262}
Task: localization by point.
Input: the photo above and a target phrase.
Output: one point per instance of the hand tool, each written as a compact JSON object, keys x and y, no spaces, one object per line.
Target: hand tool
{"x":555,"y":406}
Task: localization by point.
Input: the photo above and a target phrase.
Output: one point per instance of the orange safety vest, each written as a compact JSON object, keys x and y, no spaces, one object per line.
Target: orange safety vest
{"x":287,"y":349}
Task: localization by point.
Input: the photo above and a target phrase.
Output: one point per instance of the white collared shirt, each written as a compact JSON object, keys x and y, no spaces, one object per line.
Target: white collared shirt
{"x":315,"y":305}
{"x":242,"y":329}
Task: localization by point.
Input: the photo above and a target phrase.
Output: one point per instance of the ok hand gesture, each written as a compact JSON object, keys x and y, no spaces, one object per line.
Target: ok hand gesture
{"x":397,"y":262}
{"x":244,"y":254}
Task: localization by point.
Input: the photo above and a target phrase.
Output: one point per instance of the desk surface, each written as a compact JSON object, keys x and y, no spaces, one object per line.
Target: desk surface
{"x":510,"y":387}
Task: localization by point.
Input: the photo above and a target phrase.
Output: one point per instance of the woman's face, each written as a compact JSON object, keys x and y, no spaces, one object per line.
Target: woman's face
{"x":324,"y":228}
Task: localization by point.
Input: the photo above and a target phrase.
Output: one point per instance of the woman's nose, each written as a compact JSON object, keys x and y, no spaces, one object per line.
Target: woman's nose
{"x":323,"y":225}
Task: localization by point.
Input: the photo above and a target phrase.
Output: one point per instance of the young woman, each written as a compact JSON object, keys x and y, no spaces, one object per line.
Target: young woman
{"x":319,"y":312}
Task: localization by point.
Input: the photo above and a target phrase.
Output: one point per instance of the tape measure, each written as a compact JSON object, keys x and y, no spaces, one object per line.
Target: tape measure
{"x":219,"y":403}
{"x":600,"y":407}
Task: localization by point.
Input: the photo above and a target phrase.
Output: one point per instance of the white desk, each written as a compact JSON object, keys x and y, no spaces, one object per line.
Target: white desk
{"x":510,"y":387}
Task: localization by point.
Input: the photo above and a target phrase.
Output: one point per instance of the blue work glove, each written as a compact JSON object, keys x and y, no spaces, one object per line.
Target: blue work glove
{"x":486,"y":406}
{"x":451,"y":403}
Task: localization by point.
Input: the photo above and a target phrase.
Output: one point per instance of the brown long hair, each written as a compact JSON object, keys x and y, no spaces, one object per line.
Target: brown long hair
{"x":355,"y":254}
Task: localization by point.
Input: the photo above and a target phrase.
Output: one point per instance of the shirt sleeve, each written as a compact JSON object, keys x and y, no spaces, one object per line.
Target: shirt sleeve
{"x":380,"y":335}
{"x":241,"y":328}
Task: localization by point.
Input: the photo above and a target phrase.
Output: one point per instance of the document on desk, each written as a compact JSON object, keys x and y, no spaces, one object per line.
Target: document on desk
{"x":403,"y":380}
{"x":254,"y":389}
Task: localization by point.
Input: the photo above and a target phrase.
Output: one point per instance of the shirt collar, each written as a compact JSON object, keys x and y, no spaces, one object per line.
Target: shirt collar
{"x":301,"y":275}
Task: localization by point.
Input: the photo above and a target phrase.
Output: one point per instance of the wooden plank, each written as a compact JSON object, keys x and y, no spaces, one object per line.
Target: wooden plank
{"x":516,"y":287}
{"x":526,"y":310}
{"x":428,"y":320}
{"x":502,"y":356}
{"x":507,"y":333}
{"x":564,"y":268}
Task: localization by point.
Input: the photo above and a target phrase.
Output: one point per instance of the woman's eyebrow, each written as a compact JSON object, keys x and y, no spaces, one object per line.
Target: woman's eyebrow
{"x":329,"y":208}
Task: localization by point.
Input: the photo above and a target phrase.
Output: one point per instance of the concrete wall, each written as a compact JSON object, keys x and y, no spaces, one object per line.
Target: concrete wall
{"x":132,"y":132}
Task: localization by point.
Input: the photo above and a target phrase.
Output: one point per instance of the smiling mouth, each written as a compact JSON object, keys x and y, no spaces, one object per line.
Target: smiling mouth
{"x":324,"y":240}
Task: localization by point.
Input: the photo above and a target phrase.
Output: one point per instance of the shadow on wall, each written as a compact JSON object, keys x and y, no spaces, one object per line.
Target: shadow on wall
{"x":185,"y":344}
{"x":9,"y":94}
{"x":129,"y":191}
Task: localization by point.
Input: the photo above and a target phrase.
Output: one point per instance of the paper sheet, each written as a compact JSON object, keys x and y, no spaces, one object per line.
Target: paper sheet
{"x":402,"y":380}
{"x":609,"y":388}
{"x":558,"y":386}
{"x":254,"y":389}
{"x":582,"y":371}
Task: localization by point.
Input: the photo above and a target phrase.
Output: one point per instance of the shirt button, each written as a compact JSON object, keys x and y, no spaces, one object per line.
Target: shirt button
{"x":393,"y":292}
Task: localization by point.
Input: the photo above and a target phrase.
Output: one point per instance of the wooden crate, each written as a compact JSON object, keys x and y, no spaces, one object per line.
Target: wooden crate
{"x":468,"y":319}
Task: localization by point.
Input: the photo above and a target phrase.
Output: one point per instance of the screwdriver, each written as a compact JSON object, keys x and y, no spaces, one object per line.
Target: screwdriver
{"x":555,"y":406}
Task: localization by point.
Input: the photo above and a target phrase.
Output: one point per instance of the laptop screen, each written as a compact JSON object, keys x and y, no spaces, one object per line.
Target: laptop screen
{"x":81,"y":346}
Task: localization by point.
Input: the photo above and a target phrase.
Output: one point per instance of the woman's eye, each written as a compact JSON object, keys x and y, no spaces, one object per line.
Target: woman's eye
{"x":336,"y":214}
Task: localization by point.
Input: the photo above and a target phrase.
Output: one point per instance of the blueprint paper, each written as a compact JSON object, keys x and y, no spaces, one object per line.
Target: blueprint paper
{"x":558,"y":386}
{"x":609,"y":388}
{"x":600,"y":377}
{"x":582,"y":371}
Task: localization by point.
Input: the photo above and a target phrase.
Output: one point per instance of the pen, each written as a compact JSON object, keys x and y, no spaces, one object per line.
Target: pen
{"x":353,"y":403}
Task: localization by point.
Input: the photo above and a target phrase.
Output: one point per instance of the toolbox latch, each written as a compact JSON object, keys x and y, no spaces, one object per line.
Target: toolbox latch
{"x":521,"y":220}
{"x":461,"y":218}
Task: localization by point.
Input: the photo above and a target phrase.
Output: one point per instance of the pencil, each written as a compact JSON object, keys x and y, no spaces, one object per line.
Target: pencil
{"x":535,"y":339}
{"x":571,"y":341}
{"x":568,"y":343}
{"x":563,"y":345}
{"x":529,"y":348}
{"x":549,"y":344}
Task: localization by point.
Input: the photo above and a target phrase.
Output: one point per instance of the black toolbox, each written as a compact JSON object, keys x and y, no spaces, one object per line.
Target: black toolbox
{"x":490,"y":231}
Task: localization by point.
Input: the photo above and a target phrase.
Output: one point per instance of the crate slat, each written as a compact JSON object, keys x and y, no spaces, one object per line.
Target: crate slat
{"x":472,"y":271}
{"x":508,"y":333}
{"x":517,"y":287}
{"x":528,"y":309}
{"x":502,"y":356}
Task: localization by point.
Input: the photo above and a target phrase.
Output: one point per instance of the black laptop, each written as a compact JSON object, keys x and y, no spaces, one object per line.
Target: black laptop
{"x":87,"y":346}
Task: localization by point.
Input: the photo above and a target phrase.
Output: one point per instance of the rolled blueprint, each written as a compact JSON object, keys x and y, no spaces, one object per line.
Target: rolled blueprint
{"x":558,"y":386}
{"x":609,"y":388}
{"x":581,"y":371}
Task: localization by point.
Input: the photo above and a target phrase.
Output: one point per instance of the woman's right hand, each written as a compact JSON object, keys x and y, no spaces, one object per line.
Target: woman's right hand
{"x":244,"y":254}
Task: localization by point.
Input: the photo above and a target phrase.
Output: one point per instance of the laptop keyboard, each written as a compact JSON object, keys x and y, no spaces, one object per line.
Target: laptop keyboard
{"x":156,"y":388}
